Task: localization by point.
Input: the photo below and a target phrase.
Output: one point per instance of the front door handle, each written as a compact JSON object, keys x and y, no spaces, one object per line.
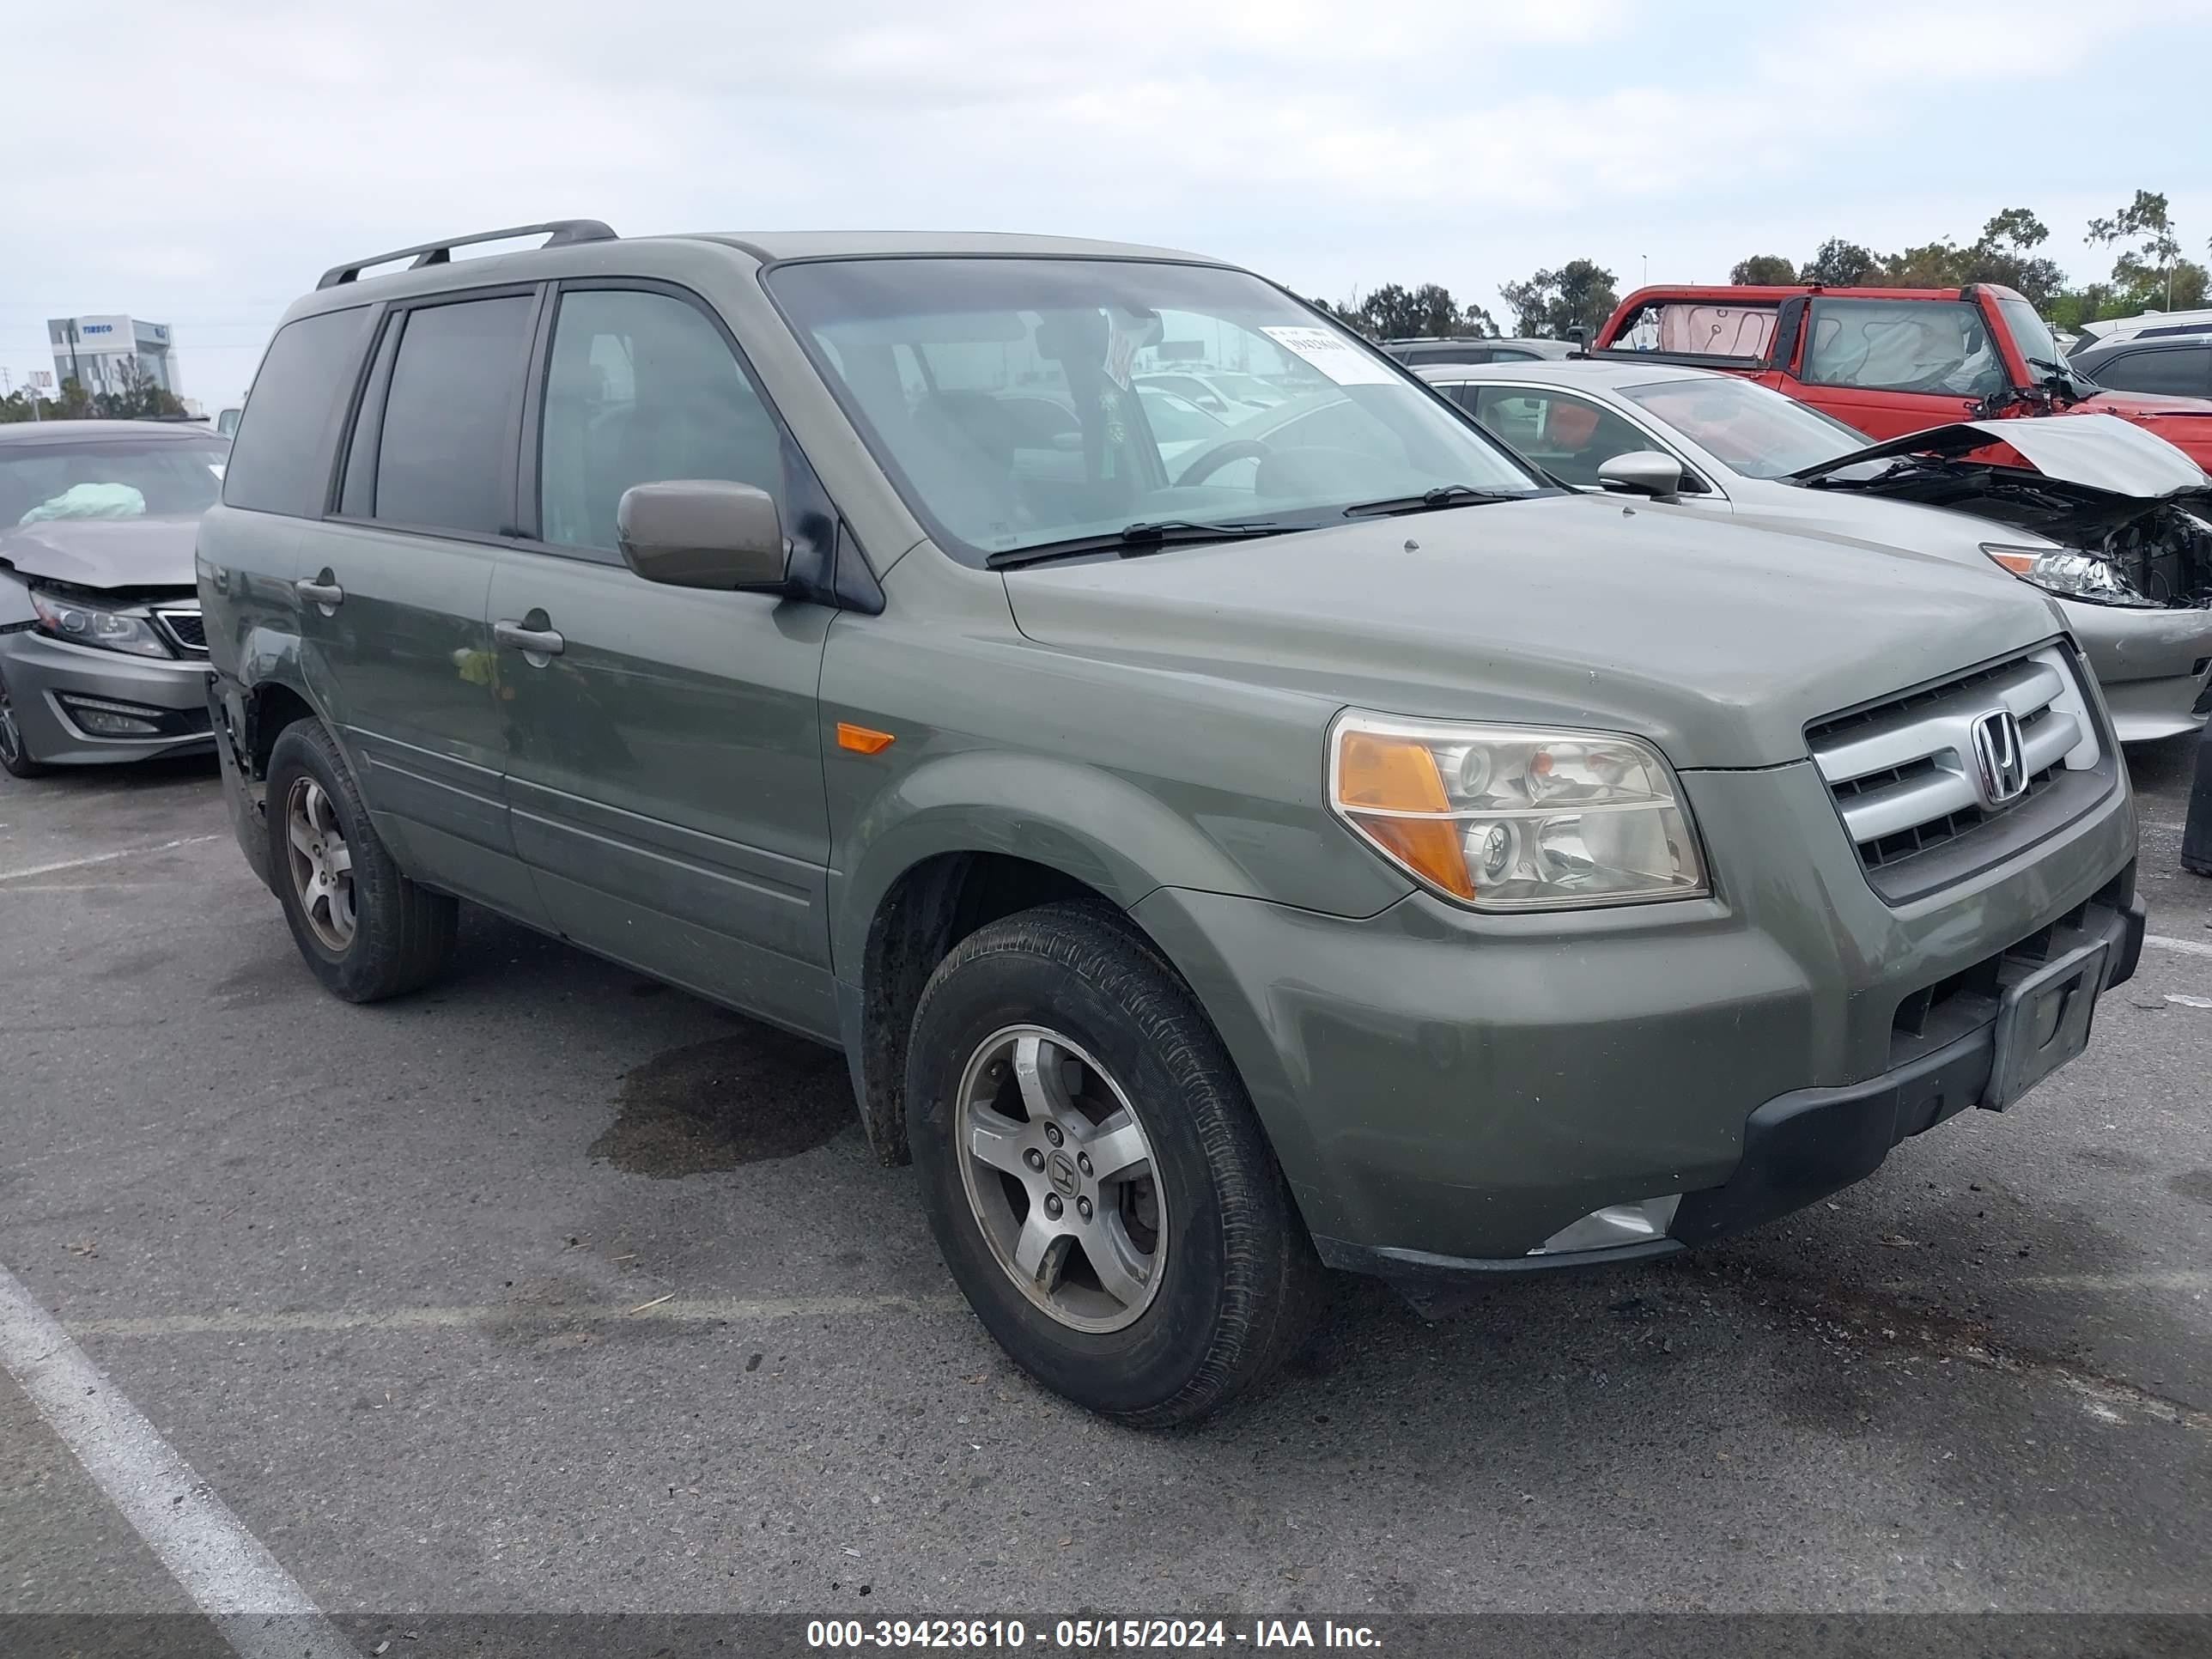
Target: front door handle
{"x":327,"y":593}
{"x":530,"y":642}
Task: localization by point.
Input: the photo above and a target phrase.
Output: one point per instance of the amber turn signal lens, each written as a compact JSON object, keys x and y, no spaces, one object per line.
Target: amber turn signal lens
{"x":1398,"y":774}
{"x":2019,"y":563}
{"x":862,"y":739}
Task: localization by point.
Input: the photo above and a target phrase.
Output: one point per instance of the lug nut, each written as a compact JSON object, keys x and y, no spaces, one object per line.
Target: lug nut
{"x":1083,"y":1208}
{"x":1083,"y":1162}
{"x":1052,"y":1134}
{"x":1034,"y":1158}
{"x":1052,"y":1206}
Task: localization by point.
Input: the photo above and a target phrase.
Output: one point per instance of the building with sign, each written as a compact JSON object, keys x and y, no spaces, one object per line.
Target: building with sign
{"x":92,"y":350}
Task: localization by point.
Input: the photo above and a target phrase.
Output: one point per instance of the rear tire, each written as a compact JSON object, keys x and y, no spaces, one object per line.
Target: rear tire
{"x":366,"y":931}
{"x":14,"y":756}
{"x":1187,"y":1278}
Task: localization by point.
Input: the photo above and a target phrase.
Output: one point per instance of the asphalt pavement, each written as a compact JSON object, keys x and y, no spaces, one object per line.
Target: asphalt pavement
{"x":552,"y":1288}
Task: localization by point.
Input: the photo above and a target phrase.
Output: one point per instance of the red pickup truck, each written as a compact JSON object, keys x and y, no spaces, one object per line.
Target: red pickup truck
{"x":1890,"y":360}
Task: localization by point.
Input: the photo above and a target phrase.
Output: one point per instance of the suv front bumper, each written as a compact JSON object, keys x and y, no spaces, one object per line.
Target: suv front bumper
{"x":1446,"y":1091}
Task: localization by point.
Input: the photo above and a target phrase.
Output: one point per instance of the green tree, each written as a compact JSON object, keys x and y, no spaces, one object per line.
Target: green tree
{"x":2145,"y":270}
{"x":1763,"y":270}
{"x":137,"y":394}
{"x":1840,"y":263}
{"x":1394,"y":313}
{"x":1932,"y":264}
{"x":2005,"y":252}
{"x":1578,"y":295}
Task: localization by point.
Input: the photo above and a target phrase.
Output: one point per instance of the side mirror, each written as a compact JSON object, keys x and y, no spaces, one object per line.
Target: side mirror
{"x":1642,"y":472}
{"x":703,"y":533}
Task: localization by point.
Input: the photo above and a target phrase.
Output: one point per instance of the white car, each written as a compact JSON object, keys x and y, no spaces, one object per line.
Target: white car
{"x":2150,"y":324}
{"x":2114,"y":523}
{"x":1227,"y":394}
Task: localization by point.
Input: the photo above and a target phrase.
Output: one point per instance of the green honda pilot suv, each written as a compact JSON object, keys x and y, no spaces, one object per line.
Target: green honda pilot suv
{"x":1325,"y":845}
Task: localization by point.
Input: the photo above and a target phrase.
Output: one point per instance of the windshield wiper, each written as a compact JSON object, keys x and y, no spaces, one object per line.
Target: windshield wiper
{"x":1430,"y":499}
{"x":1144,"y":537}
{"x":2075,"y":383}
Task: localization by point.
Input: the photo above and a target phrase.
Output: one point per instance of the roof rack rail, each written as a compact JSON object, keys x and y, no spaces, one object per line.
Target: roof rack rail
{"x":565,"y":233}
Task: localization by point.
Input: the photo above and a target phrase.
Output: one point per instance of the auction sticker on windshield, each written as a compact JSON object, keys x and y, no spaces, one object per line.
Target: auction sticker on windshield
{"x":1334,"y":356}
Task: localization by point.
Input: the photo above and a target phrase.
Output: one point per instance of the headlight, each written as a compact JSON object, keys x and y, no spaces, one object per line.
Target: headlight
{"x":2070,"y":575}
{"x":81,"y":623}
{"x":1507,"y":818}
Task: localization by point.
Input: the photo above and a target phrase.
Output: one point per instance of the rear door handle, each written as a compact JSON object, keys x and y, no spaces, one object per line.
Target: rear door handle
{"x":327,"y":594}
{"x":530,"y":642}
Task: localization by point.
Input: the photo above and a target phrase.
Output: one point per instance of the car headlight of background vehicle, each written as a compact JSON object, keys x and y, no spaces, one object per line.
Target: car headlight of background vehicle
{"x":113,"y":628}
{"x":2071,"y":574}
{"x":1510,"y":818}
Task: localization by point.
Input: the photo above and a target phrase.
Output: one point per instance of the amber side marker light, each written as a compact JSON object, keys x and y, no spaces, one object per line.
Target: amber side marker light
{"x":862,"y":739}
{"x":1400,"y":776}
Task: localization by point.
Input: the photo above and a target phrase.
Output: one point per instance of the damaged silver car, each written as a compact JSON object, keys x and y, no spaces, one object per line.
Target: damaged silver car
{"x":102,"y":654}
{"x":2113,"y":522}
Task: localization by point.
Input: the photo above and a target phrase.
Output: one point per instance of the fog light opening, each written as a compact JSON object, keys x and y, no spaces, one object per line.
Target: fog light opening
{"x":1614,"y":1226}
{"x":103,"y":718}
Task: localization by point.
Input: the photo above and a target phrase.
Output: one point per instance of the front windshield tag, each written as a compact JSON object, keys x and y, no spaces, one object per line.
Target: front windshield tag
{"x":1332,"y":355}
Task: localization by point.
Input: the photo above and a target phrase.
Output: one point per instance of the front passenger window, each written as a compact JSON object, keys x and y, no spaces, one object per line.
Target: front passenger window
{"x":641,"y":388}
{"x":1566,"y":436}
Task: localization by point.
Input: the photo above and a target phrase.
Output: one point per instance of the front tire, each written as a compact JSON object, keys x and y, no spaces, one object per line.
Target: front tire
{"x":15,"y":754}
{"x":1093,"y":1174}
{"x":366,"y":931}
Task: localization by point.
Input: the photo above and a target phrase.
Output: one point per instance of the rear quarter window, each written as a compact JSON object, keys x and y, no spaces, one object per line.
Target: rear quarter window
{"x":279,"y":460}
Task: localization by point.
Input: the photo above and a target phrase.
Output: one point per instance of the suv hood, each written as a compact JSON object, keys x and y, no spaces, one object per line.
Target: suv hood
{"x":104,"y":553}
{"x":1719,"y":642}
{"x":2094,"y":483}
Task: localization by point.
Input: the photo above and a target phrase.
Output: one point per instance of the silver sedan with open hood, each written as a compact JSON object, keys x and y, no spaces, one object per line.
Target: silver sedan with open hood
{"x":2114,"y":523}
{"x":102,"y":657}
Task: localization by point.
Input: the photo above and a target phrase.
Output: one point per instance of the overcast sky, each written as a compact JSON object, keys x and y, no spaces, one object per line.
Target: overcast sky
{"x":198,"y":163}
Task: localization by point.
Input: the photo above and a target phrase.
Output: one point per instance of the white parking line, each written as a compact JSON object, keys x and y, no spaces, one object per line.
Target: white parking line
{"x":2187,"y":947}
{"x":102,"y":858}
{"x":256,"y":1605}
{"x":676,"y":1311}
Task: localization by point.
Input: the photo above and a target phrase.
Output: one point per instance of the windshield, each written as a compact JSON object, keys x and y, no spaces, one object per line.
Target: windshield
{"x":925,"y":354}
{"x":2036,"y":342}
{"x":112,"y":479}
{"x":1756,"y":431}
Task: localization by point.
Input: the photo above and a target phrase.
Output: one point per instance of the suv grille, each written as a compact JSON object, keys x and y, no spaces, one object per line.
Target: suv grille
{"x":1905,"y":777}
{"x":185,"y":626}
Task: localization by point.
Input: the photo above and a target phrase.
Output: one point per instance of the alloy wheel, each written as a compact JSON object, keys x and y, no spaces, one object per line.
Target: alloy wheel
{"x":1061,"y":1179}
{"x":322,"y":864}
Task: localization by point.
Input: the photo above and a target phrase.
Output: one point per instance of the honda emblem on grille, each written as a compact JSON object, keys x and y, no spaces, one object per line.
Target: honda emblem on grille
{"x":2000,"y":758}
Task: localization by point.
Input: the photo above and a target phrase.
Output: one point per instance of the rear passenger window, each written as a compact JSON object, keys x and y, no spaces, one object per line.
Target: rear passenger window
{"x":448,"y":431}
{"x":641,"y":387}
{"x":276,"y":463}
{"x":2182,"y":372}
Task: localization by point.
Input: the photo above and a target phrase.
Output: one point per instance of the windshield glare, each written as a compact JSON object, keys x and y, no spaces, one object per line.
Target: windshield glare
{"x":1755,"y":430}
{"x":926,"y":355}
{"x":2035,"y":340}
{"x":115,"y":479}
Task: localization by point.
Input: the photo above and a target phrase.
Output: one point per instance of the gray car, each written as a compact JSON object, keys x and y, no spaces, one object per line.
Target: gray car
{"x":2113,"y":522}
{"x":1380,"y":859}
{"x":102,"y":655}
{"x":1423,"y":351}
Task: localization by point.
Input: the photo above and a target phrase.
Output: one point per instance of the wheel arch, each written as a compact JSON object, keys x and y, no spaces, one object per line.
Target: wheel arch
{"x":960,"y":841}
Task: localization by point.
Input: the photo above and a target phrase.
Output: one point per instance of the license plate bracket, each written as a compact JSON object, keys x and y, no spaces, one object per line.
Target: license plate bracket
{"x":2042,"y":1021}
